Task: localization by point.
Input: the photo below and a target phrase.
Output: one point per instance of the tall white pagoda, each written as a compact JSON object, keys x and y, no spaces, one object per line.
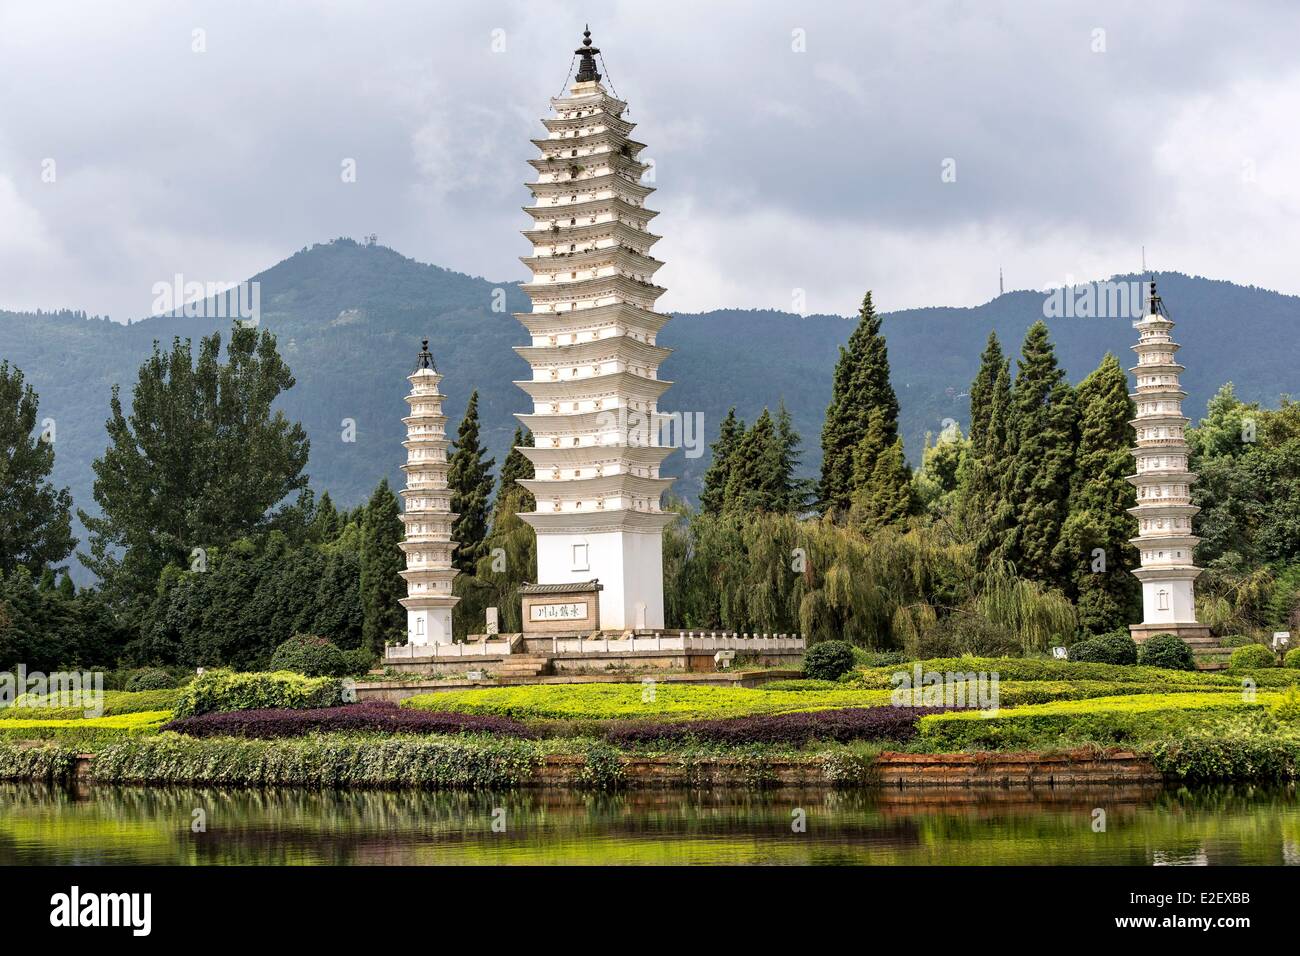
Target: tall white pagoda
{"x":426,"y":511}
{"x":1164,"y":485}
{"x":595,"y":382}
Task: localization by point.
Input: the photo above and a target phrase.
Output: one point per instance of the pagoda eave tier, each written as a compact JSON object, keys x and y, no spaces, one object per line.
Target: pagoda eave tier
{"x":576,"y":124}
{"x":589,"y":489}
{"x":612,"y":205}
{"x":584,"y":424}
{"x":612,"y":315}
{"x":409,"y":546}
{"x":591,"y":522}
{"x":592,"y":232}
{"x":611,"y":348}
{"x":620,"y":384}
{"x":1161,"y":478}
{"x":589,"y":456}
{"x":624,"y":258}
{"x":619,"y":288}
{"x":1154,"y":510}
{"x":604,"y":182}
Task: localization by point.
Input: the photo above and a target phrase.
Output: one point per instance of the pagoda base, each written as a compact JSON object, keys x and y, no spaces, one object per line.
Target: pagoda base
{"x":1191,"y":632}
{"x":427,"y":625}
{"x":628,"y":563}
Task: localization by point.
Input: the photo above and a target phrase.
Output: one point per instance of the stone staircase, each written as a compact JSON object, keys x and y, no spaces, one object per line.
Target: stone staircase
{"x":522,"y":666}
{"x":1208,"y":653}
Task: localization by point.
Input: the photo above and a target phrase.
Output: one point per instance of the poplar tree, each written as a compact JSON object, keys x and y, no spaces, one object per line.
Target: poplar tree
{"x":1041,"y":436}
{"x":469,"y":477}
{"x":860,"y":387}
{"x":382,"y":586}
{"x":199,"y":461}
{"x":1094,"y":544}
{"x":713,"y":496}
{"x":35,"y":517}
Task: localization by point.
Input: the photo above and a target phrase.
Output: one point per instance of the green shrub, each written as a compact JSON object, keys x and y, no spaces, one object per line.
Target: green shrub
{"x":1114,"y":648}
{"x":828,"y":660}
{"x":309,"y":655}
{"x":149,"y":678}
{"x":1287,"y":709}
{"x":1292,"y":658}
{"x":48,"y":762}
{"x":116,"y":703}
{"x":1236,"y":640}
{"x":1167,"y":651}
{"x":86,"y":733}
{"x":222,"y":690}
{"x":1251,"y":657}
{"x":1205,"y":757}
{"x":358,"y":661}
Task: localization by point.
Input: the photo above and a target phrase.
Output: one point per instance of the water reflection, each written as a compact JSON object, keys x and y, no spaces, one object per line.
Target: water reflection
{"x":1143,"y":826}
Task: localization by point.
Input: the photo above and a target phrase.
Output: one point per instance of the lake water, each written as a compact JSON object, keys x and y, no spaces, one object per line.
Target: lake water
{"x":87,"y":824}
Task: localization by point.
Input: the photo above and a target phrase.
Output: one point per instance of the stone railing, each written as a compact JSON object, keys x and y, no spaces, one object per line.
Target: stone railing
{"x":702,"y":641}
{"x":409,"y":652}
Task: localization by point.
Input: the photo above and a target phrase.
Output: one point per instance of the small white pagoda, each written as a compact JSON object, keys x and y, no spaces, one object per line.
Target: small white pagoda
{"x":595,"y":383}
{"x":1164,"y":485}
{"x":426,"y":511}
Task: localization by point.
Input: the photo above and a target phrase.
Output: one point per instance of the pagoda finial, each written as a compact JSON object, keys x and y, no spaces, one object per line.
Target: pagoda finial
{"x":425,"y":358}
{"x":587,"y":68}
{"x":1154,"y":305}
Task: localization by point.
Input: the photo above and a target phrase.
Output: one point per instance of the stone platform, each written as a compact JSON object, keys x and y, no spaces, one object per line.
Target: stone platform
{"x":1209,"y":654}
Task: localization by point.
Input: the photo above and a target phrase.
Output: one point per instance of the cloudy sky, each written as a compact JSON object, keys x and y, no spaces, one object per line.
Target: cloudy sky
{"x":796,"y":148}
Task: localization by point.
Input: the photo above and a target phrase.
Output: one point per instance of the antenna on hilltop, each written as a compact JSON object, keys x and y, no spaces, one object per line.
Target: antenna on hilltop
{"x":1001,"y":290}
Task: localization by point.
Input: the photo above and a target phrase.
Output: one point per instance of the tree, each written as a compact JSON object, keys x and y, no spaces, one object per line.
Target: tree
{"x":200,"y":460}
{"x":983,"y":396}
{"x":382,"y":585}
{"x":469,"y":478}
{"x":757,"y":481}
{"x":719,"y":471}
{"x":936,"y":486}
{"x":860,"y":387}
{"x":882,"y":482}
{"x":516,"y":467}
{"x":1094,"y":538}
{"x":326,"y":522}
{"x":1041,"y":436}
{"x":795,"y":491}
{"x":35,"y":517}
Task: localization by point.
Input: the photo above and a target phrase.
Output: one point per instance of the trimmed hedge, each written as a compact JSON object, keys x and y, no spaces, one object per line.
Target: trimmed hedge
{"x":85,"y":733}
{"x":309,"y":655}
{"x":1107,"y":649}
{"x":222,"y":690}
{"x":116,"y":703}
{"x":1251,"y":657}
{"x":370,"y":716}
{"x":1166,"y":650}
{"x":791,"y":730}
{"x":321,"y":762}
{"x":1104,"y":720}
{"x":1292,"y":658}
{"x":828,"y":660}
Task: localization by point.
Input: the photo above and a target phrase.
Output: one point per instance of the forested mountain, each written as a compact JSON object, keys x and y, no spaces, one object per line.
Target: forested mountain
{"x":349,"y":319}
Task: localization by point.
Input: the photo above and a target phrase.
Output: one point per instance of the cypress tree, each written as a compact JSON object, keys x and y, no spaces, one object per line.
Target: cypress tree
{"x":882,"y":492}
{"x":860,"y":386}
{"x":382,"y":587}
{"x":982,"y":395}
{"x":1042,"y":436}
{"x":469,"y":477}
{"x":515,"y":467}
{"x":718,"y":473}
{"x":326,"y":522}
{"x":757,"y":482}
{"x":795,"y":491}
{"x":987,"y":499}
{"x":1094,"y":541}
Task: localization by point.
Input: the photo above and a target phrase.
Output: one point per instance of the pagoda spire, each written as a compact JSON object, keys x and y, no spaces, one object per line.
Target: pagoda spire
{"x":587,"y":68}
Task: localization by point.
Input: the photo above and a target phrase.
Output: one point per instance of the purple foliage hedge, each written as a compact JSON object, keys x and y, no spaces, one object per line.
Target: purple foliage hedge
{"x":857,"y":723}
{"x":380,"y":716}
